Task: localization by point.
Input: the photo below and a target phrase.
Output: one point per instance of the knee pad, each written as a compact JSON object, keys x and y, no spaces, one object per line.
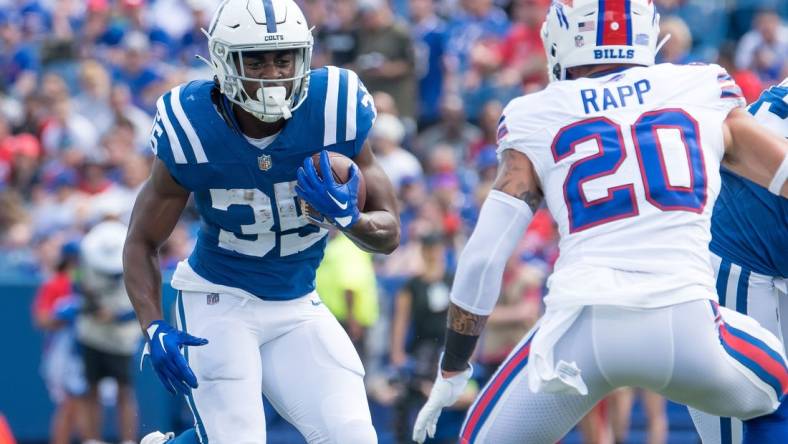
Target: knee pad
{"x":357,"y":431}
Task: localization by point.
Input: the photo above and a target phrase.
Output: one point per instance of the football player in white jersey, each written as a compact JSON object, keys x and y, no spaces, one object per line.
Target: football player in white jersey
{"x":626,"y":155}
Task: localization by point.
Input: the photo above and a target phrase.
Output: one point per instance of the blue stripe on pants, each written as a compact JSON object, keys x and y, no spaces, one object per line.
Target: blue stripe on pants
{"x":189,"y":398}
{"x":722,"y":280}
{"x":742,"y":290}
{"x":726,"y":436}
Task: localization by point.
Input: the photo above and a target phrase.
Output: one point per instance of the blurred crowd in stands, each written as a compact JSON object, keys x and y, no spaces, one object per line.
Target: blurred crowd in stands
{"x":79,"y":81}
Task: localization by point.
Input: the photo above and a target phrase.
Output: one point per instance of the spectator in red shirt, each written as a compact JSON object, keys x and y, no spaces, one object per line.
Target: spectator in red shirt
{"x":521,"y":51}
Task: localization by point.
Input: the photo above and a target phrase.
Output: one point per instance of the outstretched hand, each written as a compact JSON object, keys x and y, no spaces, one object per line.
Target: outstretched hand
{"x":445,"y":392}
{"x":165,"y":346}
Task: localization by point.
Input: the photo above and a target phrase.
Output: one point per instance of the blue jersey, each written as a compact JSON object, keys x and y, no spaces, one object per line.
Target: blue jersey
{"x":253,"y":235}
{"x":749,"y":223}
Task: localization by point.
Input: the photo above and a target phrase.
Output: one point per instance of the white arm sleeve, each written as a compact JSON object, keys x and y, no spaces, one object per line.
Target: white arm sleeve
{"x":502,"y":221}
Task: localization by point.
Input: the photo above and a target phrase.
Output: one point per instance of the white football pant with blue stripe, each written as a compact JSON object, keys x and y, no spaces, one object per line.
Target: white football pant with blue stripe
{"x":755,"y":295}
{"x":294,"y":351}
{"x":693,"y":353}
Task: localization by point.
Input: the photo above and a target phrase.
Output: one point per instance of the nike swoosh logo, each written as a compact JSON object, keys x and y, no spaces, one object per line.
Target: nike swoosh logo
{"x":316,"y":303}
{"x":342,"y":205}
{"x":161,"y":340}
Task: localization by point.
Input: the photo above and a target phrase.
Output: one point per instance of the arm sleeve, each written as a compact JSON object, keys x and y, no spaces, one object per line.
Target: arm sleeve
{"x":477,"y":283}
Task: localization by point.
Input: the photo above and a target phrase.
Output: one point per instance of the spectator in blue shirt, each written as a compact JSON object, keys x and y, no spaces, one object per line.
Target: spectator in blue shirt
{"x":19,"y":65}
{"x":430,"y":35}
{"x":137,"y":71}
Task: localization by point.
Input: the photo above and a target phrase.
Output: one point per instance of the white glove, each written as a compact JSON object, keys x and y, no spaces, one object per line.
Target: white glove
{"x":443,"y":394}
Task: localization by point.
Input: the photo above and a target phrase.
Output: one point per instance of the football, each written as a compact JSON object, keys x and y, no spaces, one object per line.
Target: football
{"x":340,"y":169}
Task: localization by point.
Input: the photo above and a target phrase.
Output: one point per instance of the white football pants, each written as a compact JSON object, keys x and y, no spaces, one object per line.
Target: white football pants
{"x":295,"y":352}
{"x":694,"y":353}
{"x":755,"y":295}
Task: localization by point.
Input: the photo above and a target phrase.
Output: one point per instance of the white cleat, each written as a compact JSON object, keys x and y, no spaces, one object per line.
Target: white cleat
{"x":157,"y":438}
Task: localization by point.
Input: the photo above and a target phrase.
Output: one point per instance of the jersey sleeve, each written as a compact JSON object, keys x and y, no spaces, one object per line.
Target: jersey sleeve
{"x":771,"y":108}
{"x":519,"y":129}
{"x":347,"y":109}
{"x":727,"y":94}
{"x":174,"y":139}
{"x":365,"y":115}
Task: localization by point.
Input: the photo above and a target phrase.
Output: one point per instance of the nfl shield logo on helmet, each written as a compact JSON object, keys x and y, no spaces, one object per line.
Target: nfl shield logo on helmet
{"x":264,"y":162}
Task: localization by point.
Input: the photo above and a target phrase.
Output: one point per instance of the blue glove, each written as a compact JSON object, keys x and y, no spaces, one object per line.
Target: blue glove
{"x":336,"y":202}
{"x":164,"y":347}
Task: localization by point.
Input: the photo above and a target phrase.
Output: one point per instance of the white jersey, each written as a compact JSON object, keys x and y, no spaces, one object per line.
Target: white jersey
{"x":629,"y":165}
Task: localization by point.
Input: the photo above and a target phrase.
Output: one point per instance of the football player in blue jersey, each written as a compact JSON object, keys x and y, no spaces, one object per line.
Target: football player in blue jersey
{"x":248,"y":317}
{"x":749,"y":242}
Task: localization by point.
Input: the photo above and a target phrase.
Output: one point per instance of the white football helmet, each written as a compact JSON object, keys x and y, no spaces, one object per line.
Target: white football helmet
{"x":240,"y":26}
{"x":597,"y":32}
{"x":102,"y":247}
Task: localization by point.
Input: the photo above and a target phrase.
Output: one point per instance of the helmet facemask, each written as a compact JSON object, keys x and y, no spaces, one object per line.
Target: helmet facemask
{"x":269,"y":101}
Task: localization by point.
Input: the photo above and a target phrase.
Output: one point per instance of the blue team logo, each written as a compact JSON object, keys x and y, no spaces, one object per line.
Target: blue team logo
{"x":264,"y":162}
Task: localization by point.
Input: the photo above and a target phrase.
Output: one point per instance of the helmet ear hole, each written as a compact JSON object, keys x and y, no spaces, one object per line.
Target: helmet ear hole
{"x":552,"y":50}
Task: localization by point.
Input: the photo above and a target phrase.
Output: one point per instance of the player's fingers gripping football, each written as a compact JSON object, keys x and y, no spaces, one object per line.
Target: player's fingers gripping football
{"x":336,"y":201}
{"x":325,"y":166}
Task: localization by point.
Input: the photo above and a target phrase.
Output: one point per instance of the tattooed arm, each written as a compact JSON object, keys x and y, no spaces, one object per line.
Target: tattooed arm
{"x":504,"y":216}
{"x":516,"y":177}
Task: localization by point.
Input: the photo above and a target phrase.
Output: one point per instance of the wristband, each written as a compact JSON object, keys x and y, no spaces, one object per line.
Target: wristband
{"x":459,"y":348}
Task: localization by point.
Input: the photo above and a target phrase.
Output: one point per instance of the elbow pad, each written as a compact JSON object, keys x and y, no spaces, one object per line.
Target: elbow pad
{"x":502,"y":221}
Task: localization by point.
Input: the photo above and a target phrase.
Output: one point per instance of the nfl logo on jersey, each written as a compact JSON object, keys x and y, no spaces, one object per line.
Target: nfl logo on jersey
{"x":264,"y":162}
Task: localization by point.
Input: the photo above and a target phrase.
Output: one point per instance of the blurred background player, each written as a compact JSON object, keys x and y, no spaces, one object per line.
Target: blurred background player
{"x":242,"y":145}
{"x":749,"y":243}
{"x":634,"y":275}
{"x":55,"y":309}
{"x":107,"y":329}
